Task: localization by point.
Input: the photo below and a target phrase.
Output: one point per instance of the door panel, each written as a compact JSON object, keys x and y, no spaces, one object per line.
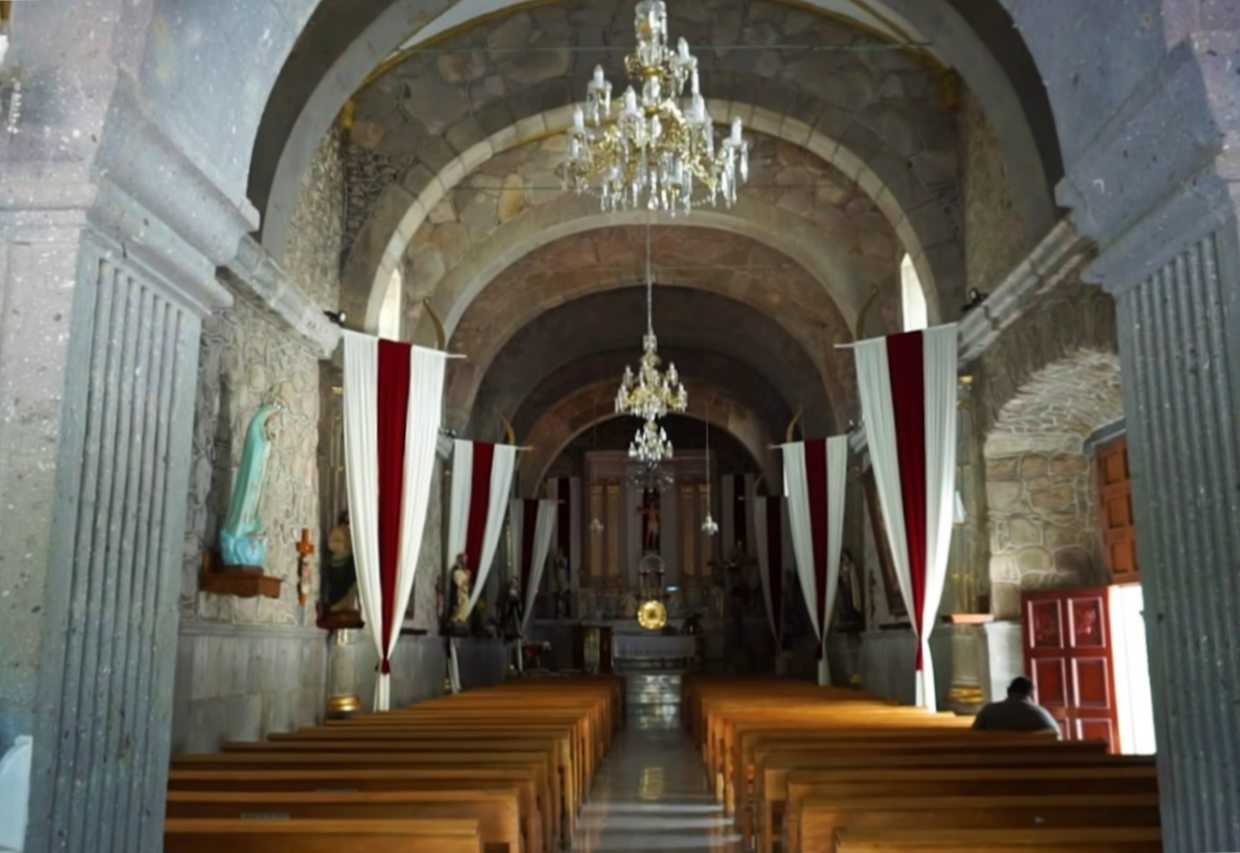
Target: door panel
{"x":1068,"y":655}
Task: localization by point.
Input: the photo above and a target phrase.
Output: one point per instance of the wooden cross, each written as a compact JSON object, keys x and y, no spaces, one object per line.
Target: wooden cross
{"x":304,"y":549}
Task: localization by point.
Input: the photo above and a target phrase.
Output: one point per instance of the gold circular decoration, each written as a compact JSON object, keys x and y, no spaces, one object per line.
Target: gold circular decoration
{"x":652,"y":615}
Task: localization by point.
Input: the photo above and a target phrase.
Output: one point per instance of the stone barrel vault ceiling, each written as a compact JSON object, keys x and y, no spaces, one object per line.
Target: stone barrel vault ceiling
{"x":451,"y":149}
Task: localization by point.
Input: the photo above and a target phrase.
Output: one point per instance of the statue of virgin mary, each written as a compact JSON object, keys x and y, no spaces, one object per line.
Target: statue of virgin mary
{"x":241,"y":543}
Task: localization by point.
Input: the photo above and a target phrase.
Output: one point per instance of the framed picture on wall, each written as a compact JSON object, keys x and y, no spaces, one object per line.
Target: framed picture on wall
{"x":887,"y":566}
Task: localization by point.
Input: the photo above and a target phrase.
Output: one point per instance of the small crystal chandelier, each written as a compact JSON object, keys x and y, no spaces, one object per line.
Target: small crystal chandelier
{"x":650,"y":395}
{"x":650,"y":445}
{"x":651,"y":477}
{"x":656,"y":153}
{"x":710,"y":527}
{"x":596,"y":526}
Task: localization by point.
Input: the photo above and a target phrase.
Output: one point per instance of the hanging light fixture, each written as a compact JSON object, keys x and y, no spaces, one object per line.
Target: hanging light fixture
{"x":656,"y":153}
{"x":650,"y":394}
{"x":710,"y":527}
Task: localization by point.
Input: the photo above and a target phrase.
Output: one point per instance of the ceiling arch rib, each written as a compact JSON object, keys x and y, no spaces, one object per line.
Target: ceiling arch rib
{"x":741,"y":295}
{"x":771,"y":404}
{"x":317,"y":80}
{"x":849,"y":241}
{"x":574,"y":415}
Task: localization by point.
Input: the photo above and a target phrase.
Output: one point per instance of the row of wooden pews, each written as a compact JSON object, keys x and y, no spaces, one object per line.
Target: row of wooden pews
{"x":813,"y":769}
{"x":503,"y":769}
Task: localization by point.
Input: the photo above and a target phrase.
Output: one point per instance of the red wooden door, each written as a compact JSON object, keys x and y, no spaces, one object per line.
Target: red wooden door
{"x":1115,"y":503}
{"x":1067,"y":638}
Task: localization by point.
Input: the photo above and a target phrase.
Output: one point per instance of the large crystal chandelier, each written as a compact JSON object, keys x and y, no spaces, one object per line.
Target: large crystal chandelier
{"x":650,"y":394}
{"x":656,"y":152}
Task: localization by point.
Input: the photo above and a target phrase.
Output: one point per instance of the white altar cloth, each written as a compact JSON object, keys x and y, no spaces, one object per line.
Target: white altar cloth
{"x":652,"y":647}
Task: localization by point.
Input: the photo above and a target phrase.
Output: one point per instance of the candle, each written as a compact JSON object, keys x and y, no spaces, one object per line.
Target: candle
{"x":736,"y":131}
{"x":682,"y":48}
{"x":599,"y":80}
{"x":693,"y":83}
{"x":579,"y":119}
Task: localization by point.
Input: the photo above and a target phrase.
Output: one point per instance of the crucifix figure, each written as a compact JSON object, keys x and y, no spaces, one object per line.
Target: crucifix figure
{"x":649,"y":511}
{"x":304,"y":549}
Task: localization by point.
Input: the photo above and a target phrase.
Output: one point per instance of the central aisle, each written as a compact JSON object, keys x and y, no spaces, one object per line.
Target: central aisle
{"x":651,"y":792}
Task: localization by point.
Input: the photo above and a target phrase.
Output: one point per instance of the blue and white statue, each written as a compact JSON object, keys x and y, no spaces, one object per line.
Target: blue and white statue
{"x":241,"y":543}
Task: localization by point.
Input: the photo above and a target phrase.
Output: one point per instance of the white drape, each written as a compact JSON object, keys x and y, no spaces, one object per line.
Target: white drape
{"x":874,"y":381}
{"x":801,"y":523}
{"x":940,"y":365}
{"x":544,"y":532}
{"x":361,"y":440}
{"x":761,"y":512}
{"x":502,"y":466}
{"x":422,"y":419}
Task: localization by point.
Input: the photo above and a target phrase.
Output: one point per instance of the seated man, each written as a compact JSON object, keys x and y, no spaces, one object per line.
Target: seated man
{"x":1017,"y":713}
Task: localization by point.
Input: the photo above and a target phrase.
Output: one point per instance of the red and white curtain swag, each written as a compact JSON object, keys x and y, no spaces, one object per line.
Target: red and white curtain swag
{"x":816,"y":473}
{"x":393,"y":399}
{"x":908,"y":399}
{"x":481,"y":484}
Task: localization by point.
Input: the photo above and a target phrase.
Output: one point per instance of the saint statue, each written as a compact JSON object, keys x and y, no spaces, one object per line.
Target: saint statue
{"x":461,"y":580}
{"x":649,"y":511}
{"x":514,"y":612}
{"x":563,"y":584}
{"x":340,"y":582}
{"x":851,"y":607}
{"x":241,"y":542}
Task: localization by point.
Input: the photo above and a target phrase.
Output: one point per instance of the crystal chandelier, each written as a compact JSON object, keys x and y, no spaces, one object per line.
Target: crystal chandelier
{"x":655,"y":153}
{"x":651,"y":477}
{"x":709,"y":526}
{"x":651,"y":394}
{"x":651,"y":445}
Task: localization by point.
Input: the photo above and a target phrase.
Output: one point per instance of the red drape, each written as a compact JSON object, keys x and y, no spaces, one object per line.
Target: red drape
{"x":906,"y":360}
{"x":391,"y":415}
{"x":479,"y":502}
{"x":816,"y":483}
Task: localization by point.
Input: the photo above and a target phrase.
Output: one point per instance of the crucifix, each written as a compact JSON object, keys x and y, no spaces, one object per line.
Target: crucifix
{"x":304,"y":549}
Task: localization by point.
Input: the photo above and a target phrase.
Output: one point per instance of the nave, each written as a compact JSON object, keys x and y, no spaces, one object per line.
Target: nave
{"x":657,"y":763}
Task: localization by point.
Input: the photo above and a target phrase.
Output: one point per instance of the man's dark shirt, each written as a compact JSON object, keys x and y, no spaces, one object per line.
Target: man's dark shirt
{"x":1014,"y":715}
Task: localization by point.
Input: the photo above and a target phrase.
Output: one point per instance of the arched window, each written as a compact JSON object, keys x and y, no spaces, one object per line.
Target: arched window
{"x":389,"y":312}
{"x":912,"y":297}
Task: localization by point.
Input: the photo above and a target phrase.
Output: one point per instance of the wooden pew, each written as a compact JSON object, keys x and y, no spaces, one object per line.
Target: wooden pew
{"x":821,"y":818}
{"x":536,"y":762}
{"x":1075,"y":840}
{"x":772,"y":761}
{"x":773,"y":797}
{"x":966,"y":781}
{"x":496,"y":810}
{"x":321,"y":836}
{"x":345,"y":742}
{"x":350,"y":780}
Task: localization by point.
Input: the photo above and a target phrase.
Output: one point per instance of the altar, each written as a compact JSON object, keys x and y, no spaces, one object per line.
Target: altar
{"x":652,"y":648}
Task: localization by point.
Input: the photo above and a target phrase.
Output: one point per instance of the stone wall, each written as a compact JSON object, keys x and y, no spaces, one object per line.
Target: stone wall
{"x":246,"y":666}
{"x":1043,"y":524}
{"x":995,"y":238}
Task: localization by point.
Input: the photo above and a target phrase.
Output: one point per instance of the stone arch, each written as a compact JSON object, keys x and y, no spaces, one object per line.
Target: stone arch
{"x":593,"y":404}
{"x":1040,"y":489}
{"x":782,"y":335}
{"x":902,"y":192}
{"x":315,"y":83}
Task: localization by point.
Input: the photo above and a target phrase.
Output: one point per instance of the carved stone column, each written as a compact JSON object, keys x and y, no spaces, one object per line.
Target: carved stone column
{"x":1158,"y":190}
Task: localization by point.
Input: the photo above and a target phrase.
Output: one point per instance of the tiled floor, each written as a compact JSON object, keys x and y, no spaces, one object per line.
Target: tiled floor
{"x":651,"y":793}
